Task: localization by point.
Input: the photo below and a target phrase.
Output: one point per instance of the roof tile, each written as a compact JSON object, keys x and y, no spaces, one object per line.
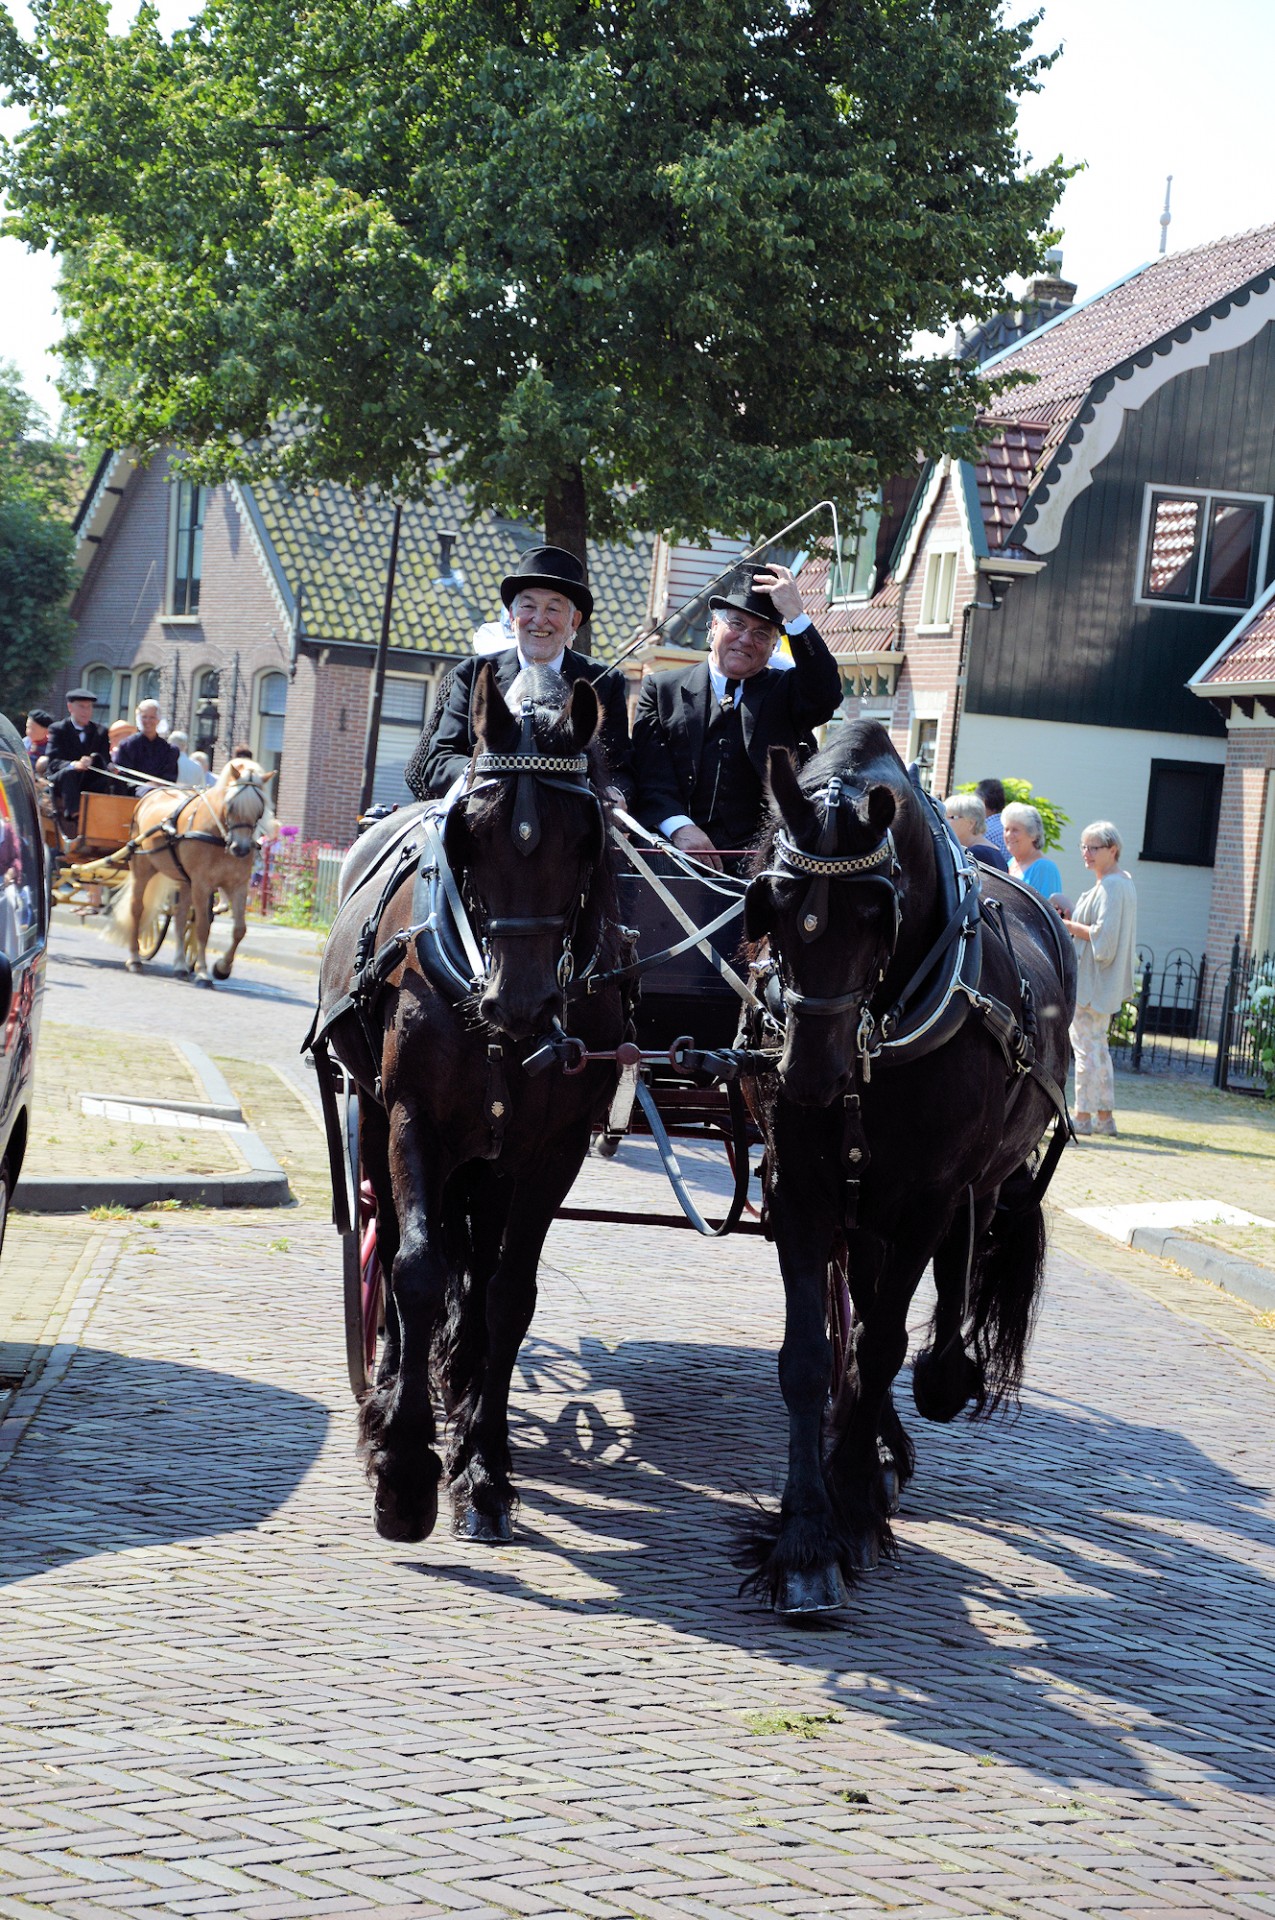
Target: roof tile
{"x":1251,"y":658}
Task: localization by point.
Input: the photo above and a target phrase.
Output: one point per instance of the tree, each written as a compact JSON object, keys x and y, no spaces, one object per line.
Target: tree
{"x":37,"y":486}
{"x":614,"y":265}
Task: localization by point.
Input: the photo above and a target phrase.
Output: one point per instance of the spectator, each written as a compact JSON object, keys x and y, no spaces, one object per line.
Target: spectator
{"x":36,"y":741}
{"x":1024,"y":843}
{"x":146,"y":751}
{"x":200,"y":759}
{"x":1105,"y":930}
{"x":968,"y":822}
{"x":189,"y":771}
{"x":992,"y":795}
{"x":119,"y":731}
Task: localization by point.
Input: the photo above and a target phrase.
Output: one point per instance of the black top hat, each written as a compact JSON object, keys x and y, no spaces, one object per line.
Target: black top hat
{"x":744,"y":599}
{"x":549,"y":567}
{"x":81,"y":693}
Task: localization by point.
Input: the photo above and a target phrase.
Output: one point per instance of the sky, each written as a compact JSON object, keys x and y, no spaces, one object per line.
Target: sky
{"x":1142,"y":89}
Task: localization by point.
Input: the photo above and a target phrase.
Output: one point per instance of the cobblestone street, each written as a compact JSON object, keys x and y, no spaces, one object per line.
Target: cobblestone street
{"x":225,"y":1695}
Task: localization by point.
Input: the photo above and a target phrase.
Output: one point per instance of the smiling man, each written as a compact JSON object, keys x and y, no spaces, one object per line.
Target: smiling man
{"x":547,"y":601}
{"x":702,"y":733}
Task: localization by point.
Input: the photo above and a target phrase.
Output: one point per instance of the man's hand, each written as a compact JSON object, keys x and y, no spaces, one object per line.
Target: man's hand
{"x":84,"y":762}
{"x":778,"y":582}
{"x":695,"y":841}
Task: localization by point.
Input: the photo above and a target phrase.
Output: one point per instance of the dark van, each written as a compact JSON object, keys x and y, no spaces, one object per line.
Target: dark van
{"x":24,"y":931}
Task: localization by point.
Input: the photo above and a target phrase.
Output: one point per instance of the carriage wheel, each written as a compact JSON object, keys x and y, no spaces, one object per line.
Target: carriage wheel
{"x":362,"y":1284}
{"x":150,"y":942}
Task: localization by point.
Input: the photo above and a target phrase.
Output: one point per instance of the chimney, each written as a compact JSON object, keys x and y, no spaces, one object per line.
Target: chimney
{"x":1049,"y":286}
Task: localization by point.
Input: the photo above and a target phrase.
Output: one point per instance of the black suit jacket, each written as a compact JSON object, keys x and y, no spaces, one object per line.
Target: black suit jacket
{"x":64,"y":745}
{"x":780,"y":707}
{"x":448,"y":742}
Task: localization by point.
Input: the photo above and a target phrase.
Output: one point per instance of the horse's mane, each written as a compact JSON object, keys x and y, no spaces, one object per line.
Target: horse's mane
{"x":863,"y":753}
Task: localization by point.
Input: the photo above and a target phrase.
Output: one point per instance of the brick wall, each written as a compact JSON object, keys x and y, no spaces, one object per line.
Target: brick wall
{"x":328,"y":726}
{"x":1250,"y":756}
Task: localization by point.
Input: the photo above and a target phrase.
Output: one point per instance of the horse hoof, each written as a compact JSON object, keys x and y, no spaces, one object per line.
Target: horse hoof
{"x":811,"y":1590}
{"x":397,"y":1520}
{"x":222,"y":973}
{"x":864,"y":1553}
{"x":890,"y":1483}
{"x":489,"y":1529}
{"x":132,"y":966}
{"x":202,"y":980}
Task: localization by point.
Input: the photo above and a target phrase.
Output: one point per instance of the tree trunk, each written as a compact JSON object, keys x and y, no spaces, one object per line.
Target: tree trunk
{"x":567,"y":525}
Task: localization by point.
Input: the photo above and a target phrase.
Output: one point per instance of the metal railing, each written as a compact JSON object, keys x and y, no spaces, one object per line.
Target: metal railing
{"x":1189,"y":1015}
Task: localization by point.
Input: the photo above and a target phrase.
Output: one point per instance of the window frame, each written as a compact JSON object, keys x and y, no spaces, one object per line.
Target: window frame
{"x":1208,"y":498}
{"x":86,"y":679}
{"x":171,"y":616}
{"x":259,"y":717}
{"x":939,"y":551}
{"x":1216,"y":771}
{"x":847,"y":569}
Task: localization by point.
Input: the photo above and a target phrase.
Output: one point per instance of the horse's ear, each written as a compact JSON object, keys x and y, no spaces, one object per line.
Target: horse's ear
{"x":881,"y":808}
{"x":495,"y":728}
{"x":785,"y":788}
{"x":584,"y":713}
{"x":266,"y":778}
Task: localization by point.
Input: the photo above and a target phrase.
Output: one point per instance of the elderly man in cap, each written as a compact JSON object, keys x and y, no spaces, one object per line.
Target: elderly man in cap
{"x":78,"y":748}
{"x":547,"y":601}
{"x":702,"y":733}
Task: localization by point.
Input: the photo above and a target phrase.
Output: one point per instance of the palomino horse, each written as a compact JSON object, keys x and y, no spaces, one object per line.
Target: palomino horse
{"x":441,"y":979}
{"x":191,"y":845}
{"x":925,"y":1007}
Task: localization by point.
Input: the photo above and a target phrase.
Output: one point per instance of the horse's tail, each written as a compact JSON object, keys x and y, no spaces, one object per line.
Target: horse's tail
{"x":158,"y":900}
{"x":1005,"y":1292}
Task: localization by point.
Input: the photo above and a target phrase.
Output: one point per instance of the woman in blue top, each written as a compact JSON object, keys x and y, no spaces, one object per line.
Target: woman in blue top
{"x":1024,"y":843}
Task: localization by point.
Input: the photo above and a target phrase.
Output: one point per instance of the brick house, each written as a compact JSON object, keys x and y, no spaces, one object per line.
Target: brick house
{"x":252,"y":614}
{"x":1043,"y":610}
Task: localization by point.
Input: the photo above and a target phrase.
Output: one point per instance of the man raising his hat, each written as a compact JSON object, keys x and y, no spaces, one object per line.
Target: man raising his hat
{"x":77,"y":747}
{"x":547,"y":600}
{"x":702,"y":733}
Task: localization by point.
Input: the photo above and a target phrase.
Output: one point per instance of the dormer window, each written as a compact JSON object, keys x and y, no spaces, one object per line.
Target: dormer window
{"x":186,"y":550}
{"x":1202,"y":549}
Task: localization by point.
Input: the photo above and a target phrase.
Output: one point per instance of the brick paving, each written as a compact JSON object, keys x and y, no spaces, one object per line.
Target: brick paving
{"x":224,"y":1695}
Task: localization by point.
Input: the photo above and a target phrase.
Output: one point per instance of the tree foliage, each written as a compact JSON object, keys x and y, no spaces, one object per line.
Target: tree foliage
{"x":625,"y":260}
{"x":38,"y":482}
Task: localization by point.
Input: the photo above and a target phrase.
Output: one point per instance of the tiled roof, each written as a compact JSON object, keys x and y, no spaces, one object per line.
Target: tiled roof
{"x":1251,"y":657}
{"x":334,"y":544}
{"x":851,"y":627}
{"x":1004,"y":476}
{"x":1069,"y":355}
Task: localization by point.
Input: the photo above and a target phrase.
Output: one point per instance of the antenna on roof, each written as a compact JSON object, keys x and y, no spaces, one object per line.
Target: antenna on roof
{"x":1165,"y":217}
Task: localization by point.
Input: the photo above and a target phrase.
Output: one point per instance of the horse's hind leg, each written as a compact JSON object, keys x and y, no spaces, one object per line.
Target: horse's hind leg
{"x":944,"y":1377}
{"x":396,"y":1421}
{"x":239,"y":922}
{"x":483,"y":1496}
{"x":181,"y":916}
{"x":139,"y":877}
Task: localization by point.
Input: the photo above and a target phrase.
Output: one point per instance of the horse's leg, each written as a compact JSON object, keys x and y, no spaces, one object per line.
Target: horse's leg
{"x":460,"y":1353}
{"x":483,"y":1496}
{"x":853,"y":1471}
{"x":202,"y":901}
{"x":139,"y":876}
{"x":181,"y":914}
{"x":798,"y":1560}
{"x":396,"y":1420}
{"x":944,"y":1377}
{"x":239,"y":915}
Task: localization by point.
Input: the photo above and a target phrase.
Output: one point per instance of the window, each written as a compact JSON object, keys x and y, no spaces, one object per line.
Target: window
{"x":854,"y":575}
{"x":403,"y":710}
{"x":938,"y":594}
{"x":100,"y":679}
{"x":1202,"y":549}
{"x":186,"y":556}
{"x":925,"y":742}
{"x":1183,"y":803}
{"x":270,"y":707}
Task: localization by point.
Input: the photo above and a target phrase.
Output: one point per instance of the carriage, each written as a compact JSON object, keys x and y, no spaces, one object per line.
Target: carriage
{"x":676,"y":1080}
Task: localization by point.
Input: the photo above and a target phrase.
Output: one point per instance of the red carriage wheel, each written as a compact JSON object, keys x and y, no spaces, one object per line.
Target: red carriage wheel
{"x":361,"y":1270}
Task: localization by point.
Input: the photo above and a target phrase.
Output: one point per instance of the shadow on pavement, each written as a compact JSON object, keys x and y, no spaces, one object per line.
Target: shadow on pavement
{"x":1103,"y":1616}
{"x":132,"y":1453}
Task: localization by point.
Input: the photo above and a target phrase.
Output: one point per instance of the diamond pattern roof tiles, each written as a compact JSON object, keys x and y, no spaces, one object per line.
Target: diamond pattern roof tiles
{"x":334,"y":545}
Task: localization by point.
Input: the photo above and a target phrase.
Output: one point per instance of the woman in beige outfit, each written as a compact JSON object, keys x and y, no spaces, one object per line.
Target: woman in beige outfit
{"x":1104,"y":926}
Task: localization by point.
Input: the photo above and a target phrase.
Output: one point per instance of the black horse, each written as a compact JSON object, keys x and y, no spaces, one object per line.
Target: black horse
{"x":925,"y":1016}
{"x":434,"y":1006}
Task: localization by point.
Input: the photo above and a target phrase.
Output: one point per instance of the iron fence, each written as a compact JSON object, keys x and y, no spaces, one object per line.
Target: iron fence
{"x":1191,"y":1016}
{"x":295,"y":882}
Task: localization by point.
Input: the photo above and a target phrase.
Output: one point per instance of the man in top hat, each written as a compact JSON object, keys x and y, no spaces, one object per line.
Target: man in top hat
{"x":77,"y":748}
{"x":547,"y":601}
{"x":702,"y":733}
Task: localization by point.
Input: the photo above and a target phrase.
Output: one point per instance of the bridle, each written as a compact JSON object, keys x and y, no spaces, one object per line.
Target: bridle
{"x":878,"y":867}
{"x":533,"y":770}
{"x":239,"y":834}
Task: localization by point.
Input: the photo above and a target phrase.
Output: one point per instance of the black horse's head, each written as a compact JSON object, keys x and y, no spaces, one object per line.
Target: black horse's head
{"x":528,"y":841}
{"x":830,"y":894}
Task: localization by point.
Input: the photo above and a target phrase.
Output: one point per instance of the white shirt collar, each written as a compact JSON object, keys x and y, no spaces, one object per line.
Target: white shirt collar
{"x":554,"y":666}
{"x":719,"y":685}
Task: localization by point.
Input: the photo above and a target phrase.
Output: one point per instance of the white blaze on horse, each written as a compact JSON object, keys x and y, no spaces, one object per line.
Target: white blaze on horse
{"x":185,"y":847}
